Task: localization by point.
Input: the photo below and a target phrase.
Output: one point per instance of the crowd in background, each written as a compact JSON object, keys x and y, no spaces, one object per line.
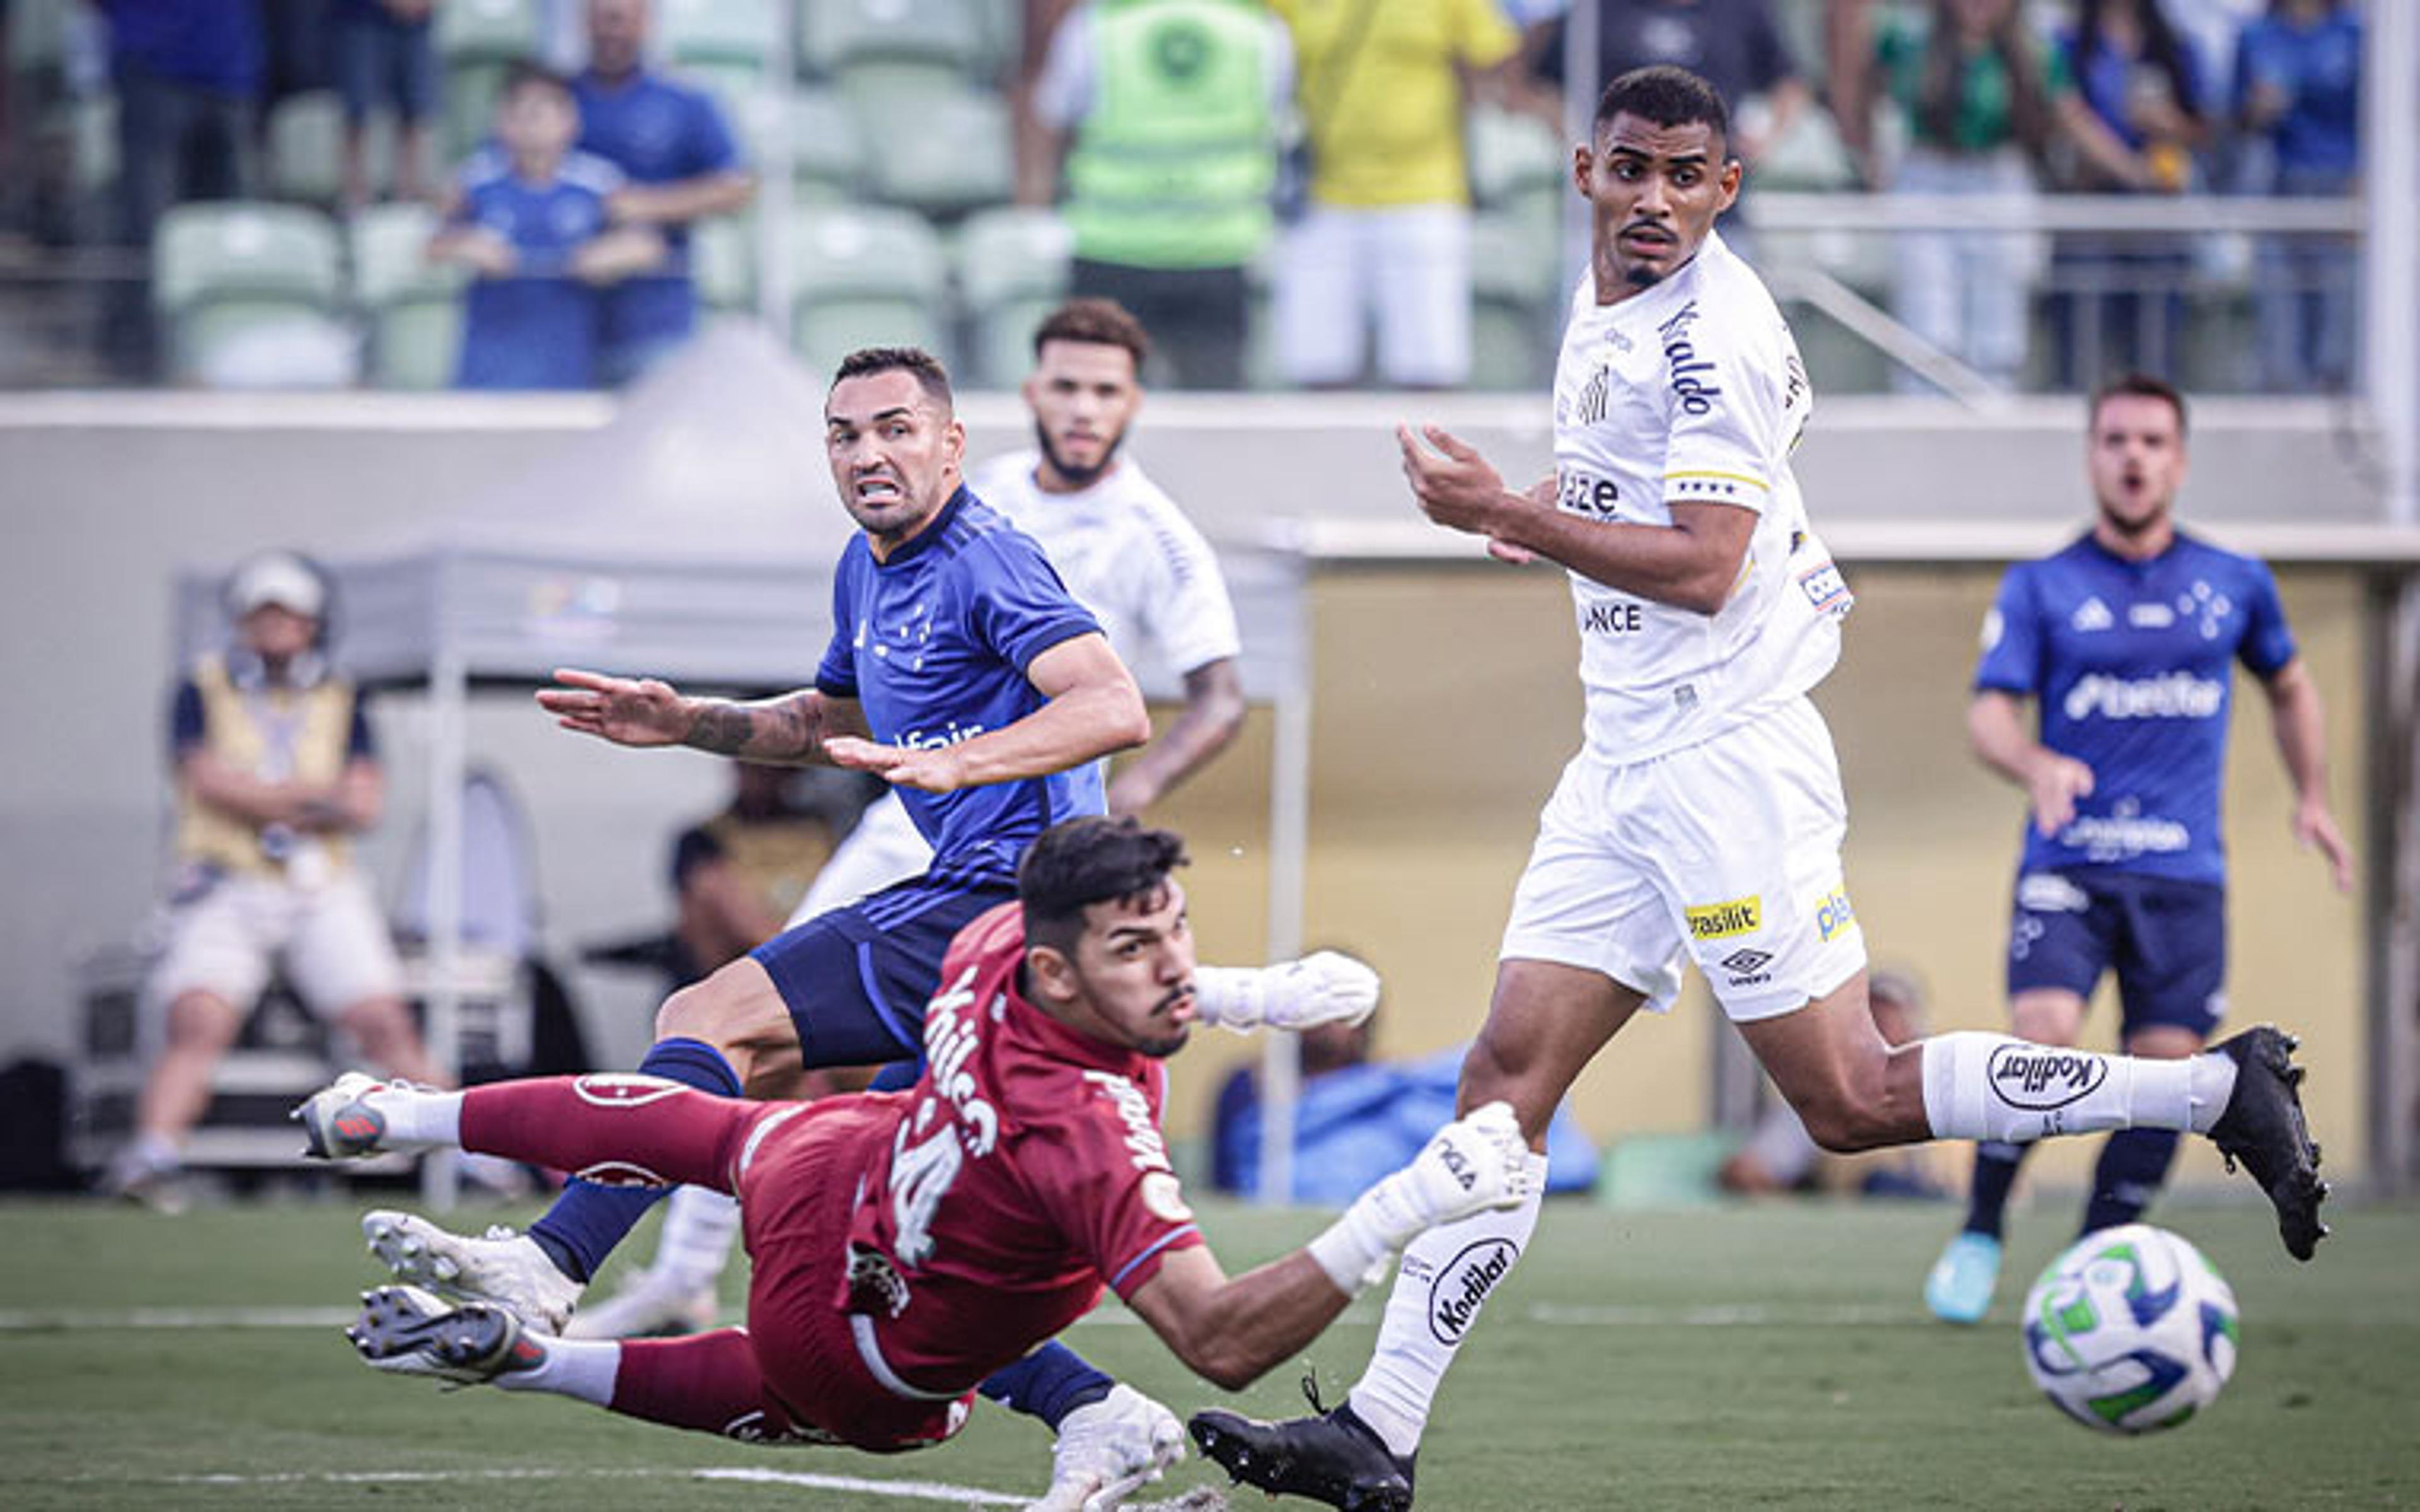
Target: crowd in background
{"x":1286,"y":190}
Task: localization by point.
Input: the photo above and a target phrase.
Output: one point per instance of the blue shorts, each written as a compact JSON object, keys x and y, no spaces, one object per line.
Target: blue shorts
{"x":382,"y":65}
{"x":2165,"y":939}
{"x":857,"y":979}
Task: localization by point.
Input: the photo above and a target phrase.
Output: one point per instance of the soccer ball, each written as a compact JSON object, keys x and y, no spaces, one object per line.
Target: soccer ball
{"x":2131,"y":1330}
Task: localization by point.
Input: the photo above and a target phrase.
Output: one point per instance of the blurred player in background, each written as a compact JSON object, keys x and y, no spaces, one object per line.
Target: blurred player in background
{"x":907,"y":1244}
{"x":276,"y":772}
{"x":2128,"y":641}
{"x":1704,"y":818}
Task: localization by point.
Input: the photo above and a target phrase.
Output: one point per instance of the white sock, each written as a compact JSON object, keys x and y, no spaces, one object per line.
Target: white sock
{"x":699,"y":1225}
{"x":1980,"y":1085}
{"x":417,"y":1115}
{"x":1446,"y":1273}
{"x":584,"y":1368}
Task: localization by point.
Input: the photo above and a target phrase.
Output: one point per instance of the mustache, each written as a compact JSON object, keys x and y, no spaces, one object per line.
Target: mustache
{"x":1176,"y":998}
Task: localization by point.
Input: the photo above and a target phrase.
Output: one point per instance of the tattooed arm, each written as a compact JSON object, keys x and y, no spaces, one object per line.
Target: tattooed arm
{"x":788,"y":730}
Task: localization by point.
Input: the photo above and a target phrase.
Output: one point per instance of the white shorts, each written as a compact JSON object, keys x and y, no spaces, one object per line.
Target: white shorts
{"x":334,"y":942}
{"x":1406,"y":268}
{"x":1728,"y":852}
{"x":885,"y":847}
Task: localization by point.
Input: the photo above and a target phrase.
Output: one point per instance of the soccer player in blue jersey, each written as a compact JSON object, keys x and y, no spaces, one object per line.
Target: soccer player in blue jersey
{"x":530,"y":219}
{"x":960,"y":671}
{"x":2126,"y":641}
{"x":676,"y":154}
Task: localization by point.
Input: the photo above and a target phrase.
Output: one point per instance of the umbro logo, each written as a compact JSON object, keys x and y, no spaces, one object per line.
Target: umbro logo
{"x":2091,"y":614}
{"x":1746,"y":963}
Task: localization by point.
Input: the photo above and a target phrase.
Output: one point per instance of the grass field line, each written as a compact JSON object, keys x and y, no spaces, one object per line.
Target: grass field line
{"x":1553,"y":1314}
{"x":902,"y":1491}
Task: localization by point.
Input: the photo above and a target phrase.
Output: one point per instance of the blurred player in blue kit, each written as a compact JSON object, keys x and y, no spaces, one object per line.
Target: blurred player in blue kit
{"x":2127,"y":641}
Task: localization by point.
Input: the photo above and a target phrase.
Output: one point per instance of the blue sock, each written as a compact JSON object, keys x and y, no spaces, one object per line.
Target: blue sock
{"x":1996,"y":1171}
{"x":1049,"y":1383}
{"x":588,"y":1220}
{"x":2132,"y":1164}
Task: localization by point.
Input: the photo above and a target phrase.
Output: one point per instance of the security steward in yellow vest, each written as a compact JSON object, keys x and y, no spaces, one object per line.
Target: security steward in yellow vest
{"x":1167,"y":113}
{"x":275,"y":771}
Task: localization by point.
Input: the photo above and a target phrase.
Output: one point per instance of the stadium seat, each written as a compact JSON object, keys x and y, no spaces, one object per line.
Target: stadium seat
{"x":827,"y":159}
{"x":1518,"y":164}
{"x":946,"y":149}
{"x":413,"y":307}
{"x":835,"y":36}
{"x":722,"y":261}
{"x":467,"y":109}
{"x":861,"y":277}
{"x":490,"y":31}
{"x":1513,"y":286}
{"x":721,"y":35}
{"x":1012,"y":272}
{"x":248,"y":293}
{"x":307,"y":149}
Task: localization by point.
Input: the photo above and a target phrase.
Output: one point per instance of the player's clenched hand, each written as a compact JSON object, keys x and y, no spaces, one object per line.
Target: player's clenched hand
{"x":1453,"y":483}
{"x":1323,"y":987}
{"x":2055,"y":785}
{"x":938,"y":769}
{"x":626,"y":711}
{"x":1479,"y":1161}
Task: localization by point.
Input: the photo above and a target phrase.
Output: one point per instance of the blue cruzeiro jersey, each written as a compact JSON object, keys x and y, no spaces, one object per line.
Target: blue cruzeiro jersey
{"x":2131,"y":664}
{"x":935,"y":643}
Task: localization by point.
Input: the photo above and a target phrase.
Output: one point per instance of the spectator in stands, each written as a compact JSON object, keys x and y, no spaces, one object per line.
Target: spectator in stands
{"x":679,"y":166}
{"x":1973,"y":85}
{"x":737,"y":874}
{"x":276,"y":773}
{"x":1353,"y":1114}
{"x":1733,"y":44}
{"x":1385,"y":235}
{"x":1781,"y":1155}
{"x":530,"y":219}
{"x":386,"y":59}
{"x":2130,"y":105}
{"x":1173,"y":109}
{"x":188,"y":76}
{"x":2298,"y":92}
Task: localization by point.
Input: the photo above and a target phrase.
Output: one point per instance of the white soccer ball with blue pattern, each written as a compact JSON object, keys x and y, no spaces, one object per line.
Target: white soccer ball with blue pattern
{"x":2131,"y":1330}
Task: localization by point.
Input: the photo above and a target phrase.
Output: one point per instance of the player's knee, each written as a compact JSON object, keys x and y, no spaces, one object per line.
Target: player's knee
{"x":203,"y":1021}
{"x":690,"y":1014}
{"x":1493,"y":1073}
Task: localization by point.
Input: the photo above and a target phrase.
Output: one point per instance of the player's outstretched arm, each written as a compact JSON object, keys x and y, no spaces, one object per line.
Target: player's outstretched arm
{"x":1691,"y":563}
{"x":1232,"y":1331}
{"x":1093,"y":709}
{"x":1996,"y":728}
{"x":2301,"y":728}
{"x":792,"y":729}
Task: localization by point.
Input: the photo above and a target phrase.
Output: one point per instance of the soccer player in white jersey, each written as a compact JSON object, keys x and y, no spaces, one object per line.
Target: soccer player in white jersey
{"x":1703,"y":817}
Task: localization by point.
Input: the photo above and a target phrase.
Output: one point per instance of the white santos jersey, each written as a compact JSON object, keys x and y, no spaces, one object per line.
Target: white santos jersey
{"x":1692,"y":392}
{"x":1130,"y":556}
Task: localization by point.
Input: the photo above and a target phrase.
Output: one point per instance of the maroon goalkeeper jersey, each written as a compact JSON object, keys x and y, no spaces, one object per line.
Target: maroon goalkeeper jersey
{"x":1026,"y":1171}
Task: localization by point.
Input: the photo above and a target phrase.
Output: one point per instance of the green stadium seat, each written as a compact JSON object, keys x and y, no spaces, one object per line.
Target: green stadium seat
{"x":837,"y":35}
{"x":490,"y":31}
{"x":722,"y":261}
{"x":1512,"y":298}
{"x":861,"y":277}
{"x":248,"y":294}
{"x":827,"y":158}
{"x":720,"y":34}
{"x":1519,"y":168}
{"x":1013,"y":266}
{"x":946,"y":148}
{"x":413,"y":307}
{"x":467,"y":112}
{"x":307,"y":149}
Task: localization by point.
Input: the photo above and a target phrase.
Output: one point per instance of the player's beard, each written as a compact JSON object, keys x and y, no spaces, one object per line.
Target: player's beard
{"x":1078,"y":477}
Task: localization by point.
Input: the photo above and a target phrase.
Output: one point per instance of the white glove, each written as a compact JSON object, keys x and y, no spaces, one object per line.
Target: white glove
{"x":1108,"y":1450}
{"x":1323,"y":987}
{"x":1477,"y":1162}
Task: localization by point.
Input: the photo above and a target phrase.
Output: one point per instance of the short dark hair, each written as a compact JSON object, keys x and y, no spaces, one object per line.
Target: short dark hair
{"x":523,"y":74}
{"x":930,"y":375}
{"x":1667,"y":96}
{"x":2138,"y":386}
{"x":1097,"y":322}
{"x":1087,"y":861}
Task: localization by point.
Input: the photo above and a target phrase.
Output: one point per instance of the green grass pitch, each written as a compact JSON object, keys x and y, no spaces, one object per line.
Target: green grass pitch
{"x":1760,"y":1356}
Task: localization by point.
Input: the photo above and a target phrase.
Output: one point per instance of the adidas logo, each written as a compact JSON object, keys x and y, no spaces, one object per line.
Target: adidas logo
{"x":2091,"y":614}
